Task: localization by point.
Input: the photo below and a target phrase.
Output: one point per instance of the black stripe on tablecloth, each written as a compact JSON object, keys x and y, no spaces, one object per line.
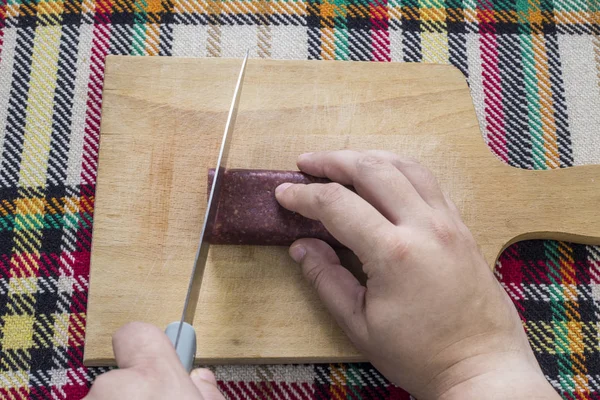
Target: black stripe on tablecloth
{"x":17,"y":111}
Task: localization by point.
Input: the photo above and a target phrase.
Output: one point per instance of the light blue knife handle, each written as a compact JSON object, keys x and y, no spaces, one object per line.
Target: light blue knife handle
{"x":186,"y":349}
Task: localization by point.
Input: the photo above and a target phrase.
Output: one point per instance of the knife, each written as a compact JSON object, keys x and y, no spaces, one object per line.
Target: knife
{"x":181,"y":333}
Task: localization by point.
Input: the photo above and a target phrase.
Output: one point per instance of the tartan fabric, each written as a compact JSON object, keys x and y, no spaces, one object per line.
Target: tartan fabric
{"x":534,"y":70}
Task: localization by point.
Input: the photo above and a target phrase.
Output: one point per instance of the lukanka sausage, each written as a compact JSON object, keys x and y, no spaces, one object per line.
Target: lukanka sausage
{"x":249,"y":214}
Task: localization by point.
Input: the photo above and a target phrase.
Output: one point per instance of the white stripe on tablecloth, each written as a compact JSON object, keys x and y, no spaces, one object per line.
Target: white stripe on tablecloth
{"x":79,"y":103}
{"x":396,"y":50}
{"x":235,"y":40}
{"x":475,"y":65}
{"x":289,"y":42}
{"x":189,"y":40}
{"x":582,"y":93}
{"x":7,"y":57}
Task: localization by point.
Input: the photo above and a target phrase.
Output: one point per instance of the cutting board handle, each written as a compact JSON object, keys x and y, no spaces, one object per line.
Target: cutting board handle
{"x":570,"y":196}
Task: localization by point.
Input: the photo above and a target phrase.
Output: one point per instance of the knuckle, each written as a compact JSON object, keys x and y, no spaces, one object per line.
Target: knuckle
{"x":406,"y":161}
{"x":423,"y":175}
{"x":316,"y":275}
{"x":370,"y":162}
{"x":410,"y":160}
{"x":443,"y":231}
{"x":290,"y":193}
{"x":330,"y":193}
{"x":394,"y":247}
{"x":291,"y":196}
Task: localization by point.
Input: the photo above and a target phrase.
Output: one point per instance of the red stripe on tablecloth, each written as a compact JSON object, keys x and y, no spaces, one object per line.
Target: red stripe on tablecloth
{"x":100,"y":45}
{"x":3,"y":5}
{"x":492,"y":90}
{"x":380,"y":36}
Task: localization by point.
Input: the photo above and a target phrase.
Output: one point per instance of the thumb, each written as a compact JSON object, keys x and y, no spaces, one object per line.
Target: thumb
{"x":339,"y":290}
{"x":206,"y":383}
{"x":141,"y":344}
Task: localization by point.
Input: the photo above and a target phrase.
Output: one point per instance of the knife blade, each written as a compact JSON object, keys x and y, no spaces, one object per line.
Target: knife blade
{"x":182,"y":333}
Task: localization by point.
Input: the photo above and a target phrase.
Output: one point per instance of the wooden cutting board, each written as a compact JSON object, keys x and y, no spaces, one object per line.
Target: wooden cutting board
{"x":162,"y":119}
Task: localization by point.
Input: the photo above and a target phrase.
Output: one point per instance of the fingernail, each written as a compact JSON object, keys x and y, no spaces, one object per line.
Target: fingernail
{"x":282,"y":187}
{"x":202,"y":373}
{"x":304,"y":156}
{"x":297,"y":253}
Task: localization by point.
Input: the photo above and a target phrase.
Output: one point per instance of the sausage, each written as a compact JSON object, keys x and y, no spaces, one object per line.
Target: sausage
{"x":249,"y":214}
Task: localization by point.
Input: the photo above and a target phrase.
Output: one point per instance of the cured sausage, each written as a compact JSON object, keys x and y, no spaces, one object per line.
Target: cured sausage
{"x":249,"y":214}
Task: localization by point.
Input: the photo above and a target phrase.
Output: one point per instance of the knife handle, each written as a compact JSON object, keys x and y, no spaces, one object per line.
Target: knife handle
{"x":186,"y":348}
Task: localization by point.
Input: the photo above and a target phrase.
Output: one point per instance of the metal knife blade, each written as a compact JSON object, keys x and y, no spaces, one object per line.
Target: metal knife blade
{"x":191,"y":298}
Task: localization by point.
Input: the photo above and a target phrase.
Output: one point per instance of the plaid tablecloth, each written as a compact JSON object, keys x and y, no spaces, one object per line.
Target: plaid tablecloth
{"x":534,"y":71}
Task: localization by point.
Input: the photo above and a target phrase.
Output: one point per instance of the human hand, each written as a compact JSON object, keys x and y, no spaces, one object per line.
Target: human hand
{"x":432,"y":317}
{"x":149,"y":369}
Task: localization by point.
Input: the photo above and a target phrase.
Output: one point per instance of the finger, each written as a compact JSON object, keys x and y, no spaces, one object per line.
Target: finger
{"x":420,"y":178}
{"x":118,"y":383}
{"x":375,"y":179}
{"x":348,"y":217}
{"x":205,"y":375}
{"x":452,"y":206}
{"x":339,"y":290}
{"x":102,"y":388}
{"x":141,"y":344}
{"x":206,"y":384}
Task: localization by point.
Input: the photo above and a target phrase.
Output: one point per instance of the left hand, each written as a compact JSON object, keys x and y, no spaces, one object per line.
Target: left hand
{"x":149,"y":369}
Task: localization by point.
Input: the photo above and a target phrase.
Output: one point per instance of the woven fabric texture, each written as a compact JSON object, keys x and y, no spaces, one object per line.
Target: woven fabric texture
{"x":534,"y":71}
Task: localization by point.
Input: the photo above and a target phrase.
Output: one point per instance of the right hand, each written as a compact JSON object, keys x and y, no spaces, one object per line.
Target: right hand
{"x":150,"y":369}
{"x":432,"y":317}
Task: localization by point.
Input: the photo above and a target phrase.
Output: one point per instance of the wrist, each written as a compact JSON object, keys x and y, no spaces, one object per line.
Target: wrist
{"x":497,"y":376}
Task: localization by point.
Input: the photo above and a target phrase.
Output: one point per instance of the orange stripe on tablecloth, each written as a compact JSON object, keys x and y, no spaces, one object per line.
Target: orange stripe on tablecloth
{"x":506,"y":16}
{"x":287,"y":8}
{"x":38,"y":205}
{"x":72,"y":7}
{"x":540,"y":56}
{"x":471,"y":15}
{"x":571,"y":17}
{"x":152,"y":39}
{"x":338,"y":379}
{"x":327,"y":44}
{"x":432,"y":14}
{"x":58,"y":205}
{"x":154,"y":6}
{"x":29,"y":9}
{"x":213,"y":41}
{"x":181,"y":7}
{"x":358,"y":11}
{"x":296,"y":8}
{"x":312,"y":8}
{"x":6,"y":208}
{"x":264,"y":37}
{"x":455,"y":15}
{"x":574,"y":329}
{"x":577,"y":349}
{"x":86,"y":204}
{"x":53,"y":205}
{"x":28,"y":239}
{"x":411,"y":13}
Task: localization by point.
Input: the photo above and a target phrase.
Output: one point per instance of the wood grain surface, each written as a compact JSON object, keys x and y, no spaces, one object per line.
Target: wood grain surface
{"x":162,"y":119}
